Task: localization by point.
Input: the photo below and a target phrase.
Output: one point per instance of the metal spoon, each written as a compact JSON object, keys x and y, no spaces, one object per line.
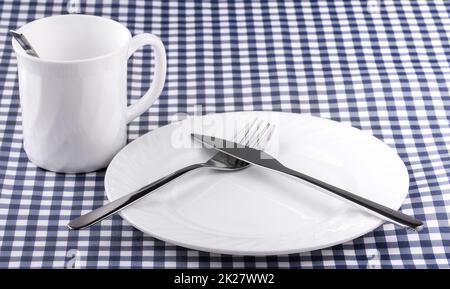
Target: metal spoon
{"x":24,"y":43}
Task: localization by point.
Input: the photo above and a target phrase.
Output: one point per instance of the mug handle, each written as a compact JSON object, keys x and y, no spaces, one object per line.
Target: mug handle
{"x":159,"y":75}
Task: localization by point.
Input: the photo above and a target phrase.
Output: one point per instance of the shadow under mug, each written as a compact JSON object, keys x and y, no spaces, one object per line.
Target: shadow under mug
{"x":74,"y":96}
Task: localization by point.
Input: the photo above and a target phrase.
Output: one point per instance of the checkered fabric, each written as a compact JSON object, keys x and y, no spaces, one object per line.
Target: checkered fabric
{"x":381,"y":66}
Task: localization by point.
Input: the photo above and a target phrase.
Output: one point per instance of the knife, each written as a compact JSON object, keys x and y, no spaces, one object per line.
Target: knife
{"x":265,"y":160}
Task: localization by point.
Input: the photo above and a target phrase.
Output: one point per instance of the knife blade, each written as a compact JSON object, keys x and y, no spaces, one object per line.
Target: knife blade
{"x":265,"y":160}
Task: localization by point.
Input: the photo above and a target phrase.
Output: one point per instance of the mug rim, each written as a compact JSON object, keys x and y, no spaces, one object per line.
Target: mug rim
{"x":22,"y":53}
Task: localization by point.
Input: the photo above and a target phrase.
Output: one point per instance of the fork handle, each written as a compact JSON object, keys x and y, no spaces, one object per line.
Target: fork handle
{"x":392,"y":215}
{"x":113,"y":207}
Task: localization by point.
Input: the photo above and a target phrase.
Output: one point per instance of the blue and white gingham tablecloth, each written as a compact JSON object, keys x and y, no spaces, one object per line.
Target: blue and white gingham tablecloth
{"x":379,"y":65}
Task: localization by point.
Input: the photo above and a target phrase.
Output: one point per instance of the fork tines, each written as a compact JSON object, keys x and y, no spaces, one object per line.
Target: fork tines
{"x":255,"y":134}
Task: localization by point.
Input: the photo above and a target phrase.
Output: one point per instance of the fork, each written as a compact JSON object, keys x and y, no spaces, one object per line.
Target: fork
{"x":257,"y":134}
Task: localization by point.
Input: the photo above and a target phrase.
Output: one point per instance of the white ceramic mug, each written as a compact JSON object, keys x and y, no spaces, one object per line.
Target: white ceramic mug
{"x":73,"y":97}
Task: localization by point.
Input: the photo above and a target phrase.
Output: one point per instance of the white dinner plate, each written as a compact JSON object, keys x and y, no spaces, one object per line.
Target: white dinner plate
{"x":256,"y":211}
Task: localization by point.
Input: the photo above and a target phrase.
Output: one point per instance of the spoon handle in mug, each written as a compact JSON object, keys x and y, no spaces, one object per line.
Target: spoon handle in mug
{"x":24,"y":43}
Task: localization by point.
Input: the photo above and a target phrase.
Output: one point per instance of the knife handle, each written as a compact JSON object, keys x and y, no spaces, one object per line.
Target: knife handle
{"x":392,"y":215}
